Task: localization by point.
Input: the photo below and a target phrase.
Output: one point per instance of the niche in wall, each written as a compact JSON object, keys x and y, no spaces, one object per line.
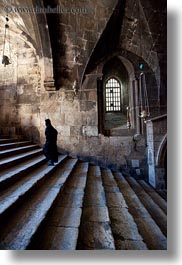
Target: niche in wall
{"x":115,"y":94}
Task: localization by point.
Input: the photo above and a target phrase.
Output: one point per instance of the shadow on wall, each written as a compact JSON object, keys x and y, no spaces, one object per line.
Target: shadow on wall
{"x":31,"y":133}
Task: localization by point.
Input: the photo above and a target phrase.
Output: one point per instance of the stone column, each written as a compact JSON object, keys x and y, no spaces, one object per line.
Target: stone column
{"x":151,"y":160}
{"x":45,"y":50}
{"x":48,"y":75}
{"x":100,"y":103}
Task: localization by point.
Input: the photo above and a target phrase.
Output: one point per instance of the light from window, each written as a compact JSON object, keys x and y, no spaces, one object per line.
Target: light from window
{"x":113,"y":95}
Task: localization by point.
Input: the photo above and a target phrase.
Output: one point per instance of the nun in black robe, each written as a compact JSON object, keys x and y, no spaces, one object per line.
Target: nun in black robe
{"x":50,"y":147}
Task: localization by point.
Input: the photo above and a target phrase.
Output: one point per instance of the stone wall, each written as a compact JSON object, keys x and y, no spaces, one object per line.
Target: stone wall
{"x":30,"y":70}
{"x":20,"y":87}
{"x":77,"y":124}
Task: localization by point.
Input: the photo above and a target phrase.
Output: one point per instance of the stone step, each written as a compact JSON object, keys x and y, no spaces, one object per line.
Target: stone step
{"x":15,"y":159}
{"x":95,"y":231}
{"x":13,"y":145}
{"x":163,"y":194}
{"x":8,"y":140}
{"x":124,"y":228}
{"x":60,"y":231}
{"x":9,"y":197}
{"x":11,"y":175}
{"x":74,"y":205}
{"x":154,"y":195}
{"x":3,"y":136}
{"x":147,"y":227}
{"x":154,"y":210}
{"x":17,"y":150}
{"x":17,"y":231}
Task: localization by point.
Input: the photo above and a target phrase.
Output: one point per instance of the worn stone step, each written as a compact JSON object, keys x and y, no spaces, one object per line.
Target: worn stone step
{"x":60,"y":231}
{"x":10,"y":196}
{"x":94,"y":195}
{"x":124,"y":228}
{"x":147,"y":227}
{"x":154,"y":210}
{"x":3,"y":136}
{"x":154,"y":195}
{"x":13,"y":145}
{"x":8,"y":140}
{"x":17,"y":231}
{"x":15,"y":159}
{"x":74,"y":206}
{"x":11,"y":175}
{"x":163,"y":194}
{"x":95,"y":231}
{"x":17,"y":150}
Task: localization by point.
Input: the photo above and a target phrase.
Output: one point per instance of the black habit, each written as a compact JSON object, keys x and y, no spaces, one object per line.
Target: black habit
{"x":50,"y":147}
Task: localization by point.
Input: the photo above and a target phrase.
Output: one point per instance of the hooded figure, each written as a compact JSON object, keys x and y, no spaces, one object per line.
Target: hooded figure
{"x":50,"y":147}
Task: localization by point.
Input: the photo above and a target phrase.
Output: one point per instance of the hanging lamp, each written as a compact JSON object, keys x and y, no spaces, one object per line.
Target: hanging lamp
{"x":144,"y":102}
{"x":6,"y":57}
{"x":128,"y":124}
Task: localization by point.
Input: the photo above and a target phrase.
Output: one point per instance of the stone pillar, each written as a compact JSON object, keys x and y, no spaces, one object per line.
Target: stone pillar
{"x":156,"y":174}
{"x":160,"y":173}
{"x":48,"y":75}
{"x":45,"y":51}
{"x":49,"y":85}
{"x":100,"y":103}
{"x":151,"y":160}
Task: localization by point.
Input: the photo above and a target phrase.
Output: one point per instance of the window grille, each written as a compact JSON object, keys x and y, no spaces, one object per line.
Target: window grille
{"x":113,"y":95}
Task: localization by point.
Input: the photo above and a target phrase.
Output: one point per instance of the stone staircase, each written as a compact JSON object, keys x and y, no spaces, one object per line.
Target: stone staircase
{"x":74,"y":205}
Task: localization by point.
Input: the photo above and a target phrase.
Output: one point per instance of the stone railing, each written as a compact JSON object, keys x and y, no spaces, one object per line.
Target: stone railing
{"x":157,"y":147}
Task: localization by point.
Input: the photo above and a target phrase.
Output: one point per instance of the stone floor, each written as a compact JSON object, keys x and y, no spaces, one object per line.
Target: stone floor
{"x":74,"y":205}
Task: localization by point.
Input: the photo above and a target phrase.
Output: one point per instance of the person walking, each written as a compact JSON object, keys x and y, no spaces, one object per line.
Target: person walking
{"x":50,"y":147}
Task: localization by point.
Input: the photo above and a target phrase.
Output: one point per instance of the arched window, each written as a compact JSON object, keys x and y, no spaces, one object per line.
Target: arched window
{"x":113,"y":95}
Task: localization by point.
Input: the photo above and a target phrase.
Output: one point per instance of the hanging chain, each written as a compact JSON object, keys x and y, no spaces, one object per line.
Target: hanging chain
{"x":6,"y":59}
{"x":146,"y":96}
{"x":76,"y":82}
{"x":143,"y":95}
{"x":9,"y":41}
{"x":6,"y":27}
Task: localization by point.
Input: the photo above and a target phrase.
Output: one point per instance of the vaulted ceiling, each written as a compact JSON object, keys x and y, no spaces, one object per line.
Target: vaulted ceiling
{"x":89,"y":36}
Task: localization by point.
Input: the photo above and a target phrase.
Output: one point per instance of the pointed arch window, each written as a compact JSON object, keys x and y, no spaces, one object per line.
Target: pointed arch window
{"x":113,"y":95}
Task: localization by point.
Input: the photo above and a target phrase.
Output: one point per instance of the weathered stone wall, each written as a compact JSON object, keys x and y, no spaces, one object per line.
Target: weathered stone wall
{"x":77,"y":124}
{"x":20,"y":87}
{"x":30,"y":70}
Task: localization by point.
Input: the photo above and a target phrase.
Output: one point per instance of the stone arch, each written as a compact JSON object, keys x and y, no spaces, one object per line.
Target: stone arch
{"x":112,"y":31}
{"x":123,"y":72}
{"x":161,"y":158}
{"x":161,"y":152}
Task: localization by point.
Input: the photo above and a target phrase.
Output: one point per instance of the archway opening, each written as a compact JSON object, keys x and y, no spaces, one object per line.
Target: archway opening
{"x":115,"y":94}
